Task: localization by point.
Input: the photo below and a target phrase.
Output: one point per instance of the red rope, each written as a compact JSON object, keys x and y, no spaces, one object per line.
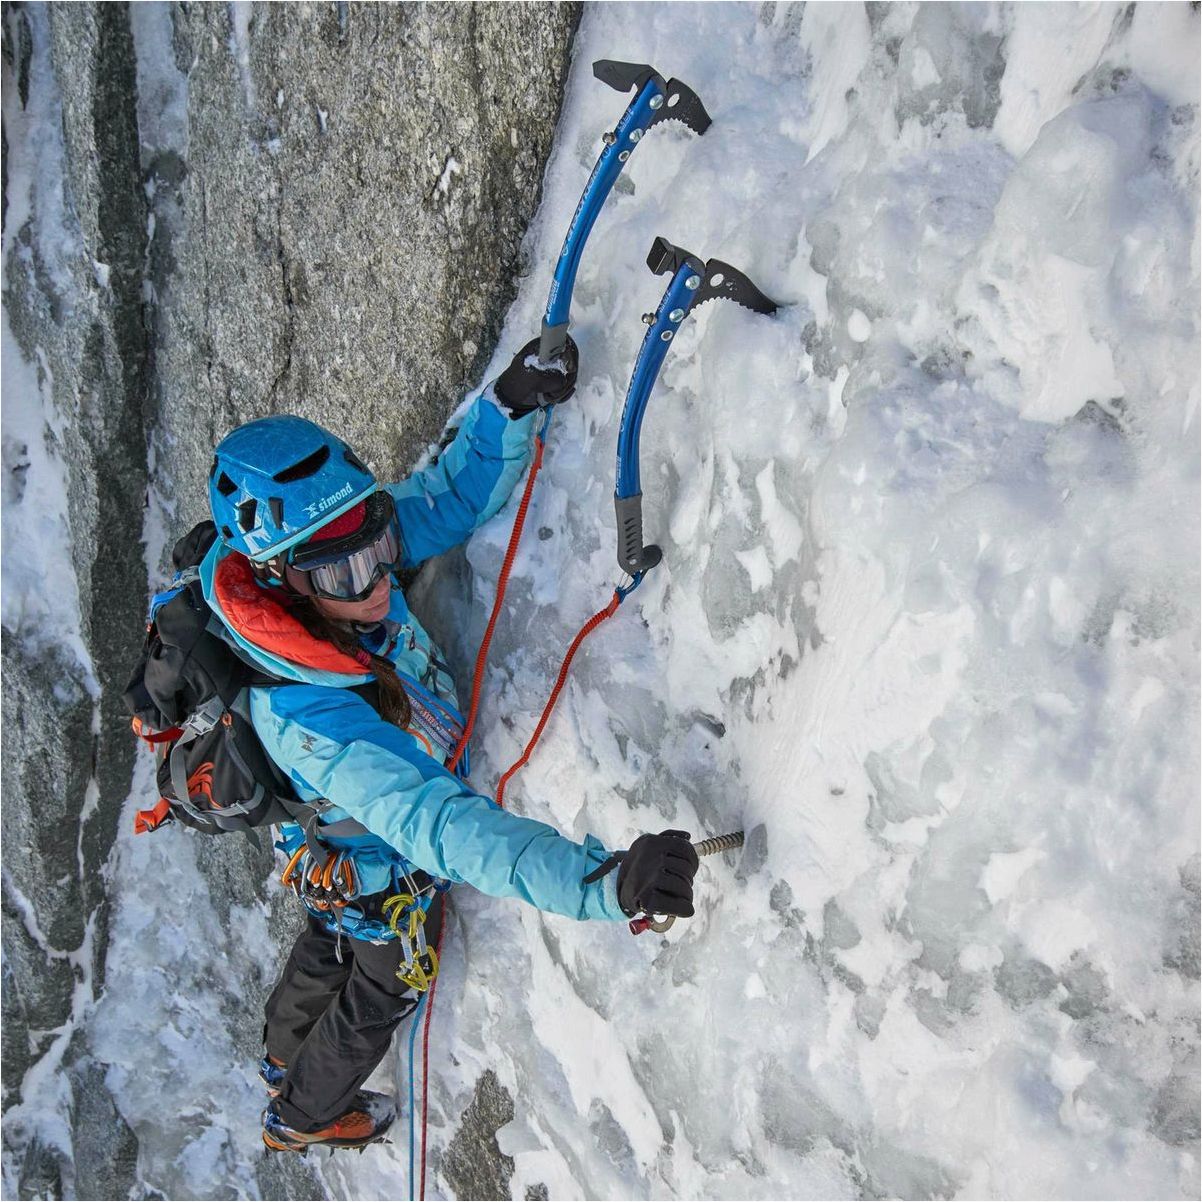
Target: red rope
{"x":560,"y":680}
{"x":442,"y":926}
{"x":502,"y":581}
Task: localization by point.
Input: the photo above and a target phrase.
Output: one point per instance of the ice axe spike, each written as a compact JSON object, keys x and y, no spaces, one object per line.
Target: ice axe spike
{"x":707,"y":847}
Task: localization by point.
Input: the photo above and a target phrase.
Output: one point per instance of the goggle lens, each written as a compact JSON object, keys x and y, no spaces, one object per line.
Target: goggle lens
{"x":354,"y":577}
{"x":329,"y":569}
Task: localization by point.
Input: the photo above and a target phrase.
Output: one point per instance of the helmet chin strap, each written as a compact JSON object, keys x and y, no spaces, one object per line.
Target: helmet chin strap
{"x":272,"y":572}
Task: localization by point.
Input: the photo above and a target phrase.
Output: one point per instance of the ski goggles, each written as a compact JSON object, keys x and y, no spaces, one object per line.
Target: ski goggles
{"x":348,"y":568}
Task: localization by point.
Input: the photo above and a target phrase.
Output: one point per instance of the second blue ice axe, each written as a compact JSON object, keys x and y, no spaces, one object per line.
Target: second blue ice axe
{"x":693,"y":283}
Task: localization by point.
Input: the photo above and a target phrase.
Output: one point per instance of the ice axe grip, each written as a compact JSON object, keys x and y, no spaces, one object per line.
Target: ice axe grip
{"x":633,"y":557}
{"x":707,"y":847}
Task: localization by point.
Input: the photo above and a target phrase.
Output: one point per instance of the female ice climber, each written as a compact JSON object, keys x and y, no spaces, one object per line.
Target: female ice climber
{"x":303,"y":580}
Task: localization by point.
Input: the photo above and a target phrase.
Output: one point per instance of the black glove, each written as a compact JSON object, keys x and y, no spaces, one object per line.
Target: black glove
{"x":656,"y":875}
{"x":523,"y":387}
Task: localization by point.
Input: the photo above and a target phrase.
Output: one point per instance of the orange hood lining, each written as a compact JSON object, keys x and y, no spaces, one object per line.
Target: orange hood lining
{"x":262,"y":616}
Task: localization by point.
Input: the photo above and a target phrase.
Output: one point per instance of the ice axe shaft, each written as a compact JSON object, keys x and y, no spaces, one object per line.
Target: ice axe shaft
{"x":707,"y":847}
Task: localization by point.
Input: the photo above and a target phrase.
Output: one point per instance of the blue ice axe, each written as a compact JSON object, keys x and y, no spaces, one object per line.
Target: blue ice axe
{"x":693,"y":283}
{"x":654,"y":101}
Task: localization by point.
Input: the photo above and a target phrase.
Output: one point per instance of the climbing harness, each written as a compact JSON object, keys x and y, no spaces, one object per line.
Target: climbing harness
{"x":654,"y":101}
{"x":706,"y":847}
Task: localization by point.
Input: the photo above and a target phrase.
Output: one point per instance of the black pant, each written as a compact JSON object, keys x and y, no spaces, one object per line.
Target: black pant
{"x":331,"y":1023}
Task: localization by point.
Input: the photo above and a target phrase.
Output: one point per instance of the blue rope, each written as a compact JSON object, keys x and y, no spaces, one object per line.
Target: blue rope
{"x":412,"y":1104}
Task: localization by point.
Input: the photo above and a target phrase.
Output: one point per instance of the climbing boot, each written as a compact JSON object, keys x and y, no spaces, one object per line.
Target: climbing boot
{"x":365,"y":1123}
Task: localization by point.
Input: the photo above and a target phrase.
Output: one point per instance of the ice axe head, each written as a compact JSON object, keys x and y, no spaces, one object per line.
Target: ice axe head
{"x":719,"y":280}
{"x":679,"y":103}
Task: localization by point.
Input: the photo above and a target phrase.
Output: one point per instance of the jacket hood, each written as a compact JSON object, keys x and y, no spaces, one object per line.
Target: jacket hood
{"x":258,"y":622}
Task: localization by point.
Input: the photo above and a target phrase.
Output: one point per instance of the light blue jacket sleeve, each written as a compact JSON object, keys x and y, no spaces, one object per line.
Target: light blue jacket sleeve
{"x":439,"y":507}
{"x":333,"y":741}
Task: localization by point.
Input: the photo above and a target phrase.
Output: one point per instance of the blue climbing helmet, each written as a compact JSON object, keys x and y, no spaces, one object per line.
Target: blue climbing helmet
{"x":276,"y":481}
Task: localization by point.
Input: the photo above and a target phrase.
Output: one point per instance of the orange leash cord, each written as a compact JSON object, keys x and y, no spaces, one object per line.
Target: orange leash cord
{"x":560,"y":680}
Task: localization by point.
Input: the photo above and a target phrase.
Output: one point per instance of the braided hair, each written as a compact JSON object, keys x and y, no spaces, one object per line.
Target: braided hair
{"x":394,"y":701}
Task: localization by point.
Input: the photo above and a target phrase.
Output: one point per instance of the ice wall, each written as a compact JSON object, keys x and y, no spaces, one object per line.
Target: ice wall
{"x":926,"y":625}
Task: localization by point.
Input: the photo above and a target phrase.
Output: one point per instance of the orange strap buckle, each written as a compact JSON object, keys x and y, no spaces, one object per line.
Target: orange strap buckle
{"x":151,"y":820}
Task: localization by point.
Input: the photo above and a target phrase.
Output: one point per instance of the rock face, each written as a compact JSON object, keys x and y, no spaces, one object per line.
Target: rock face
{"x":211,"y":212}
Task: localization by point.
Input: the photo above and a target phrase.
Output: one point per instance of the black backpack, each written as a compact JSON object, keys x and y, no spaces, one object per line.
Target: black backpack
{"x":188,"y":701}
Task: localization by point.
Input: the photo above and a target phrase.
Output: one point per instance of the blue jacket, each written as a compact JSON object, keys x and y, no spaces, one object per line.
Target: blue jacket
{"x":333,"y":745}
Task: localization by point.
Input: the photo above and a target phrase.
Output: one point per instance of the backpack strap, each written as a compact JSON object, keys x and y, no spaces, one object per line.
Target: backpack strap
{"x":197,"y":724}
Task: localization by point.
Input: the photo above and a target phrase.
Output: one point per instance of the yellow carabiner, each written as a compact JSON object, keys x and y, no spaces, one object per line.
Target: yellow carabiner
{"x":417,"y":916}
{"x":421,"y":976}
{"x":397,"y":904}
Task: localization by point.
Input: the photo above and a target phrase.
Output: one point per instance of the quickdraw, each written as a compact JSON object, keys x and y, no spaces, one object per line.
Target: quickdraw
{"x":406,"y":917}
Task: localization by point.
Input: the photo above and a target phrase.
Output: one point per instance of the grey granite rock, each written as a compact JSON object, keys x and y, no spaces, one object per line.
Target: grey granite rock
{"x":341,"y":233}
{"x":473,"y":1165}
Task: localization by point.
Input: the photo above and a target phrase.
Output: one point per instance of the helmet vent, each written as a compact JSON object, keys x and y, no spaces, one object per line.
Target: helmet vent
{"x":355,"y":461}
{"x":276,"y":506}
{"x":246,"y":515}
{"x":225,"y":485}
{"x":303,"y":467}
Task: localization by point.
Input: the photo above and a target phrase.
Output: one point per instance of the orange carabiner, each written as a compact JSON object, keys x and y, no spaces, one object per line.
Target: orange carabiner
{"x":286,"y":875}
